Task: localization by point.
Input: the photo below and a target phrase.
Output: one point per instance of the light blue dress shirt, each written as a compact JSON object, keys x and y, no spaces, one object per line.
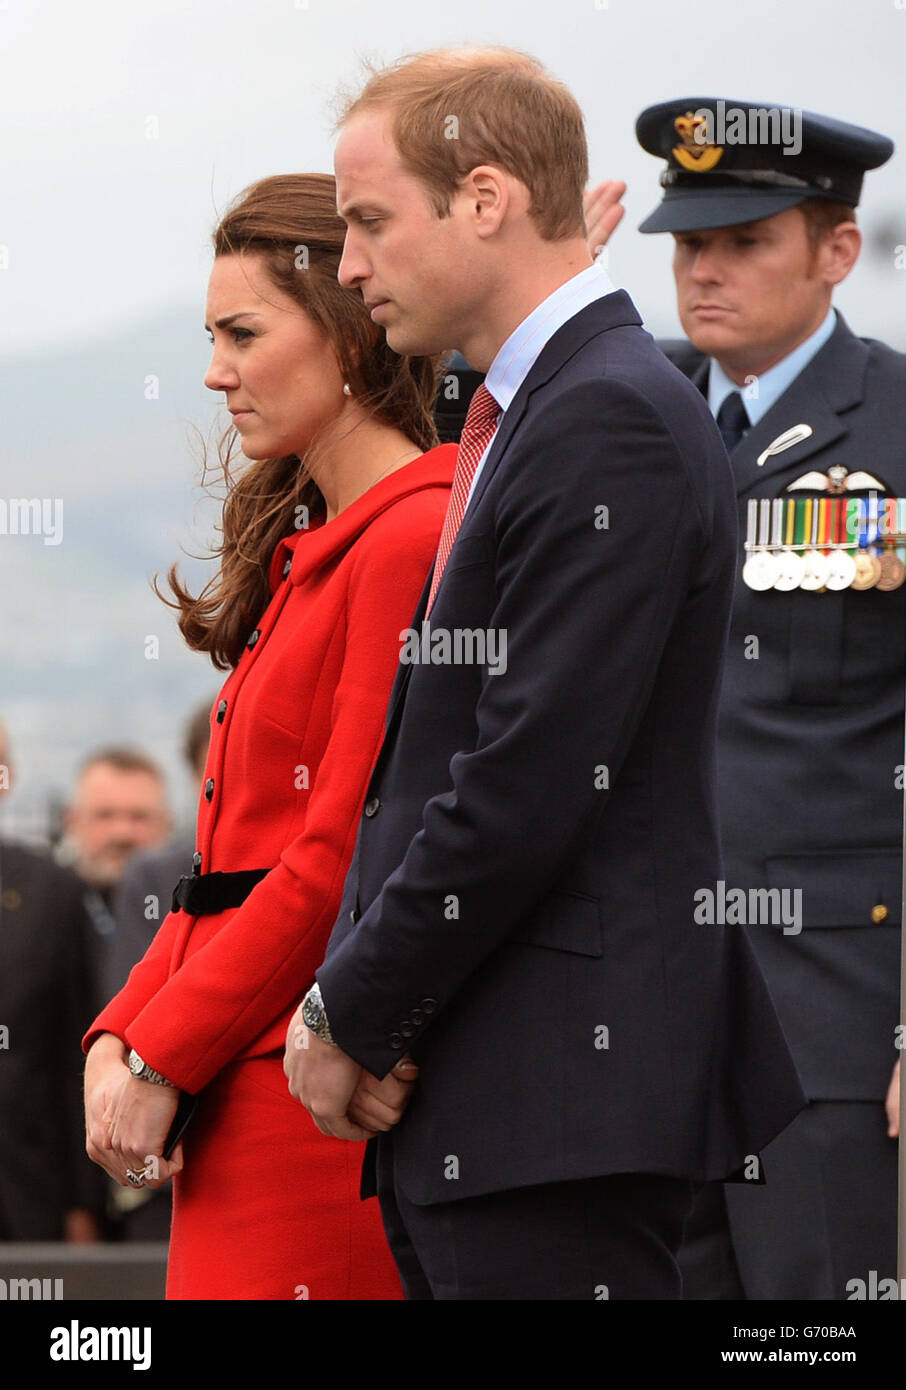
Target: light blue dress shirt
{"x":772,"y":385}
{"x":522,"y":348}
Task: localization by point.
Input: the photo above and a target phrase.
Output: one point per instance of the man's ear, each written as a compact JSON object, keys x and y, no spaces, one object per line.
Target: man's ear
{"x":839,"y":252}
{"x":487,"y":190}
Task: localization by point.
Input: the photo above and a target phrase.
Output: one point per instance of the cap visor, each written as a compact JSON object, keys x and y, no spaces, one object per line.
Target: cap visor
{"x":695,"y":210}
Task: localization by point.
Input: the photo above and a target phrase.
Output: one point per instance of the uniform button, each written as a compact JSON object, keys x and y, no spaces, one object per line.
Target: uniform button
{"x":354,"y":916}
{"x":418,"y":1017}
{"x":407,"y":1030}
{"x":209,"y":789}
{"x":428,"y":1005}
{"x":196,"y":863}
{"x":253,"y":639}
{"x":287,"y":567}
{"x":221,"y":711}
{"x":879,"y":913}
{"x":372,"y":806}
{"x":395,"y":1040}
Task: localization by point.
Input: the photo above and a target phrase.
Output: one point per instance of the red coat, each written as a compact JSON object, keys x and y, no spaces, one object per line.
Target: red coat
{"x":295,"y":732}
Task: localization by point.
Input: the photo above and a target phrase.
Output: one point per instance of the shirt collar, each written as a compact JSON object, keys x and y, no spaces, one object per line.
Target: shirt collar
{"x":522,"y":348}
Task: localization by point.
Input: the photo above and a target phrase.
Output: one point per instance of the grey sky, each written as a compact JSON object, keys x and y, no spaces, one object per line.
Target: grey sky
{"x":107,"y":233}
{"x":107,"y":216}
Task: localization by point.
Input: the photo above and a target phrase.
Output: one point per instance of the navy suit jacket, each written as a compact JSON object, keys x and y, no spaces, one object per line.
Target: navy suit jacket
{"x":519,"y":910}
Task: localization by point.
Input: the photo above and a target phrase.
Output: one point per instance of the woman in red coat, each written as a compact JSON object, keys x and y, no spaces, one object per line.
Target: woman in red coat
{"x":328,"y":538}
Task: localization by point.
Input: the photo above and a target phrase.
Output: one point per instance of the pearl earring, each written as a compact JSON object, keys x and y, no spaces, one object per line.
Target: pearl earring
{"x":347,"y":389}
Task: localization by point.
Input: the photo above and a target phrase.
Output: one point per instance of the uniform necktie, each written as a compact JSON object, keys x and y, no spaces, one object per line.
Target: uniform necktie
{"x":477,"y":432}
{"x":732,"y":420}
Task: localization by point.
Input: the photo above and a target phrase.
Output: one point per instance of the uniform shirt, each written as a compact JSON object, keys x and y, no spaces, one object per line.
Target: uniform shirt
{"x":770,"y":386}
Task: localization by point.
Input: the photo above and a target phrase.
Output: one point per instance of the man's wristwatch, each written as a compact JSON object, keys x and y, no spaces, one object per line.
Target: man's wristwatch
{"x":144,"y":1072}
{"x":314,"y":1015}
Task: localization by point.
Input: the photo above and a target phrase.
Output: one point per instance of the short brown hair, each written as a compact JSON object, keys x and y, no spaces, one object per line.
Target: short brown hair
{"x":123,"y":760}
{"x":454,"y":109}
{"x":821,"y":216}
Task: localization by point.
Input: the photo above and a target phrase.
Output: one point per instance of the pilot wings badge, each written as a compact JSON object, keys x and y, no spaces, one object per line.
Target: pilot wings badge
{"x":837,"y":480}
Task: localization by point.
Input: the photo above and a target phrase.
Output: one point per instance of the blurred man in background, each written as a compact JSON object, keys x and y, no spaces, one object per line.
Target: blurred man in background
{"x":118,"y":806}
{"x":48,"y":995}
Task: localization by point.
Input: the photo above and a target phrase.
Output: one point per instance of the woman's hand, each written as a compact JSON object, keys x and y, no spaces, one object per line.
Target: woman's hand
{"x":142,"y":1115}
{"x":126,"y":1120}
{"x":106,"y":1073}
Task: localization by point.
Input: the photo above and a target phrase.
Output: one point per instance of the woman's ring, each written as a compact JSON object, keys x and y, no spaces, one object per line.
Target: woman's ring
{"x":136,"y":1179}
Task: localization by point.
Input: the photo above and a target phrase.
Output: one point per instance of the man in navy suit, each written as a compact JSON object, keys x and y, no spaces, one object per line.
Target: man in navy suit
{"x":523,"y":911}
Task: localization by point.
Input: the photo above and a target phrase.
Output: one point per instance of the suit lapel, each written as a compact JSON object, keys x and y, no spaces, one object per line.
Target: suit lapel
{"x":611,"y":311}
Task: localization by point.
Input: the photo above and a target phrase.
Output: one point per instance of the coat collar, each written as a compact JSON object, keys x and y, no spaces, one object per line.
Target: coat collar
{"x":614,"y":310}
{"x":322,"y":542}
{"x":826,"y":388}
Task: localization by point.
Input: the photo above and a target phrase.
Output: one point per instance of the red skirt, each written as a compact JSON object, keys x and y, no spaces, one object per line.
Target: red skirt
{"x":266,"y":1206}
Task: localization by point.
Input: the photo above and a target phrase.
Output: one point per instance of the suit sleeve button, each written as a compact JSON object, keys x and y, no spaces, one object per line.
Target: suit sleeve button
{"x":396,"y":1041}
{"x":418,"y":1017}
{"x":209,"y":789}
{"x":407,"y":1030}
{"x":428,"y":1005}
{"x":221,"y":711}
{"x":372,"y":806}
{"x":880,"y":913}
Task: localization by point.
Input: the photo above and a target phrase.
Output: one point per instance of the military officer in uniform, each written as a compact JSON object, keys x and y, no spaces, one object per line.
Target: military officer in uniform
{"x":811,"y":734}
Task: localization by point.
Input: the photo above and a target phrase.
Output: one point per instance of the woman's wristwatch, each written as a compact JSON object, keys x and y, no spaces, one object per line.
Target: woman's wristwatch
{"x":314,"y":1015}
{"x":144,"y":1072}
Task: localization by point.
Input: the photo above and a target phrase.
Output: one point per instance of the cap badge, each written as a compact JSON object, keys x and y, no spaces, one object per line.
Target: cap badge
{"x":696,"y":152}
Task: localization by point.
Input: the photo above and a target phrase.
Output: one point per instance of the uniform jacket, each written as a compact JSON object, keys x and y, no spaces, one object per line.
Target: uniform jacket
{"x":48,"y":992}
{"x":294,"y":733}
{"x":519,"y":910}
{"x":811,"y":734}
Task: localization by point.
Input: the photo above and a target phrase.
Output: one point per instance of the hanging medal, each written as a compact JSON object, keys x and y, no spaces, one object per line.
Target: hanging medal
{"x":815,"y":564}
{"x":893,"y":571}
{"x":790,"y":564}
{"x":760,"y":569}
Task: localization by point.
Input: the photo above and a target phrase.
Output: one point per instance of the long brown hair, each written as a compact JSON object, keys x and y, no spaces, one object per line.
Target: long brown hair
{"x":291,"y":220}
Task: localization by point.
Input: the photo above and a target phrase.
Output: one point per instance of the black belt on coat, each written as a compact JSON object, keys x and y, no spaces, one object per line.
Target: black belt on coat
{"x":198,"y":894}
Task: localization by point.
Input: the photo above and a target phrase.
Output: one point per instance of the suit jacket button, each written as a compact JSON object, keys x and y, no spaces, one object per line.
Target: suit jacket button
{"x":879,"y":913}
{"x":407,"y":1030}
{"x":354,"y":916}
{"x":253,"y":639}
{"x":221,"y":711}
{"x":372,"y":806}
{"x":418,"y":1017}
{"x":209,"y":789}
{"x":196,"y":863}
{"x":395,"y":1041}
{"x":428,"y":1005}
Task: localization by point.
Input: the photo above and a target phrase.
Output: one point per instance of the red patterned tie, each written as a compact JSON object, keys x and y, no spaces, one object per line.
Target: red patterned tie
{"x":481,"y":422}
